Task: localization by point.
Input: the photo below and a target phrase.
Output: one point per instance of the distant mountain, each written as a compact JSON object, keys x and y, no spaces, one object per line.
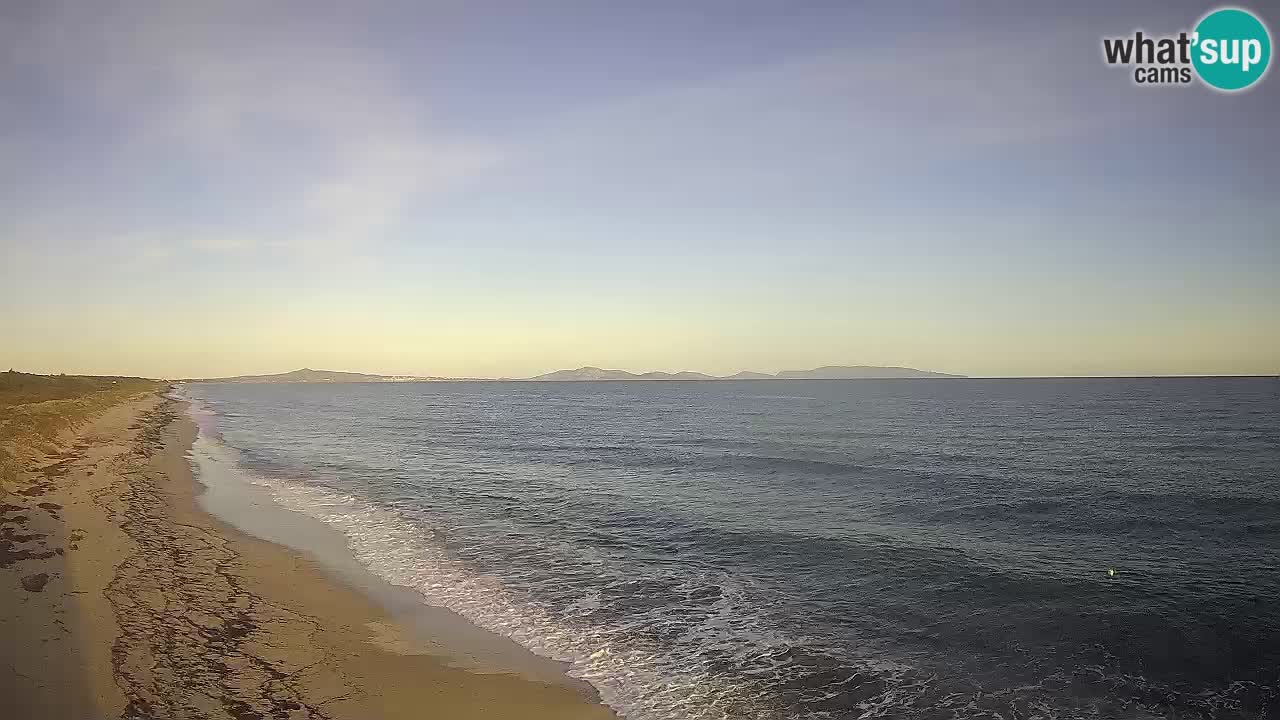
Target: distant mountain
{"x":829,"y":372}
{"x":307,"y":375}
{"x":850,"y":372}
{"x":686,"y":375}
{"x":590,"y":374}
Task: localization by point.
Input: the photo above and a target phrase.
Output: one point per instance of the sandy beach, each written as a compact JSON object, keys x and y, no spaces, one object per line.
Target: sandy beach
{"x":121,"y":598}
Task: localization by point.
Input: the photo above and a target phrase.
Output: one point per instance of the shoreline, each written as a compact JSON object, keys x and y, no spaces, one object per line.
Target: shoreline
{"x":243,"y":506}
{"x":150,"y":607}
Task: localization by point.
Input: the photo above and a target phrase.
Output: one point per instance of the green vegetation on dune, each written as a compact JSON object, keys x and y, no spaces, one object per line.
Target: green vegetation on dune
{"x":35,"y":410}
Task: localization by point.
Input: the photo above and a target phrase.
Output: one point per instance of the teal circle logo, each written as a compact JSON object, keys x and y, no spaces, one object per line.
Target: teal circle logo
{"x":1231,"y":49}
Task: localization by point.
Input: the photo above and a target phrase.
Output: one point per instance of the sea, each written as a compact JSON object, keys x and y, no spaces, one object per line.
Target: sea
{"x":809,"y":549}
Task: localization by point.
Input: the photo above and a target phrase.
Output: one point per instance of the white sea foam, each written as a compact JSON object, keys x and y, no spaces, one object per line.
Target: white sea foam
{"x":627,"y":678}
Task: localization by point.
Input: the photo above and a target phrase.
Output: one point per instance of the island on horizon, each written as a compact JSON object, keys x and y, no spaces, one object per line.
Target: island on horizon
{"x":590,"y":373}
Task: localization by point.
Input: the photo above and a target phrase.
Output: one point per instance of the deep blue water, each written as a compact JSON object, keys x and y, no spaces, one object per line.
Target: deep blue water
{"x":818,"y":549}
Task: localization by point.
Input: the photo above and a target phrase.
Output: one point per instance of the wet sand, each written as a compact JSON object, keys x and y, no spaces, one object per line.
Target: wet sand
{"x":120,"y":597}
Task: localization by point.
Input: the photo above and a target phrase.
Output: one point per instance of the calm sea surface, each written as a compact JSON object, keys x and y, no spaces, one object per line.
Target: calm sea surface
{"x":816,"y":549}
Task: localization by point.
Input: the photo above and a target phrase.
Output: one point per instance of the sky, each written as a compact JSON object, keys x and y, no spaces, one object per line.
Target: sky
{"x":506,"y":188}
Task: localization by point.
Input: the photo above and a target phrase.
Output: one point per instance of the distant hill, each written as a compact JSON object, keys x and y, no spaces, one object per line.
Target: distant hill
{"x":589,"y":374}
{"x":829,"y":372}
{"x":849,"y":372}
{"x":686,"y":375}
{"x":307,"y":375}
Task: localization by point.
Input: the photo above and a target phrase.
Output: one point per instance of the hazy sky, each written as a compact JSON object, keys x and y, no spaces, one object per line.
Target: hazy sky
{"x":472,"y":188}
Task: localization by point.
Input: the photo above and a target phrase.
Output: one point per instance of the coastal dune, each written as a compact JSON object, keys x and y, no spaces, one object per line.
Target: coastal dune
{"x":120,"y":597}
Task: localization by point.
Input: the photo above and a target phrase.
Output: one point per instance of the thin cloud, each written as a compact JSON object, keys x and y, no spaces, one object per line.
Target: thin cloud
{"x":307,"y":136}
{"x":941,"y":93}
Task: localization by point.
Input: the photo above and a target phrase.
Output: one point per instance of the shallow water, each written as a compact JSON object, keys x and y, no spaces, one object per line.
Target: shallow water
{"x":815,"y":549}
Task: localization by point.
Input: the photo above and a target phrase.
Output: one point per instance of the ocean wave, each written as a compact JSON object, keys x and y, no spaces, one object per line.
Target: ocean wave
{"x":619,"y":638}
{"x":630,"y":677}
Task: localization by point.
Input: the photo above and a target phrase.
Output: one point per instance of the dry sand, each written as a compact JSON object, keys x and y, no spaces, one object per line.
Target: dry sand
{"x":120,"y":598}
